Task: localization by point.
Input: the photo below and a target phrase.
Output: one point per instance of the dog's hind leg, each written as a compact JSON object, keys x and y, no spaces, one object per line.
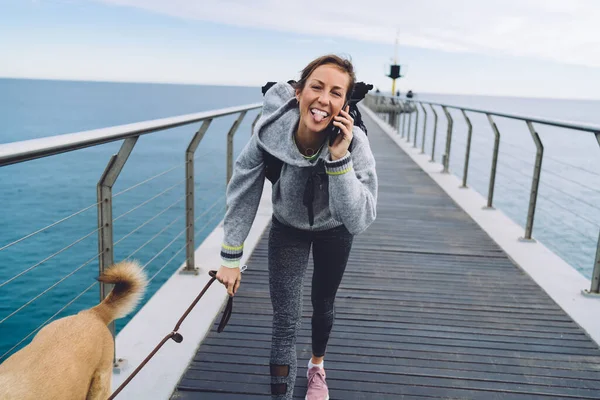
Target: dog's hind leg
{"x":100,"y":386}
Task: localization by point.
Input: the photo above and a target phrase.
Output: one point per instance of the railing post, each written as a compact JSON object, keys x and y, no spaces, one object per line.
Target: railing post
{"x":406,"y":115}
{"x":190,"y":247}
{"x":409,"y":125}
{"x":595,"y":282}
{"x":468,"y":150}
{"x":416,"y":124}
{"x":448,"y":141}
{"x":595,"y":285}
{"x":105,"y":220}
{"x":435,"y":119}
{"x":399,"y":121}
{"x":535,"y":183}
{"x":254,"y":122}
{"x":424,"y":127}
{"x":403,"y":122}
{"x":230,"y":134}
{"x":494,"y":162}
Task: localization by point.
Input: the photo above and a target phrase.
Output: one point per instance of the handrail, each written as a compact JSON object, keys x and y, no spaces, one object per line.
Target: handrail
{"x":538,"y":120}
{"x":593,"y":128}
{"x":16,"y":152}
{"x":397,"y":104}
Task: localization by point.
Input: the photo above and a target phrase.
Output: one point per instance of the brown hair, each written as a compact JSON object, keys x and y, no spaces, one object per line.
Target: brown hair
{"x":345,"y":65}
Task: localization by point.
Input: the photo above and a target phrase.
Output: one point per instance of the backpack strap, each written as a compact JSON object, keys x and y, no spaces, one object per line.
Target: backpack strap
{"x":273,"y":167}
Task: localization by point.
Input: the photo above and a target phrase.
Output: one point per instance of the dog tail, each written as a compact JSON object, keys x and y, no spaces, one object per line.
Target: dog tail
{"x":130,"y":284}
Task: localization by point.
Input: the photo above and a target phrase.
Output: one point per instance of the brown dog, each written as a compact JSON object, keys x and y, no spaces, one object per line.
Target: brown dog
{"x":71,"y":358}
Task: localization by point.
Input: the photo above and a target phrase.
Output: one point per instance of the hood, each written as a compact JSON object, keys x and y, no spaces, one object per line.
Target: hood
{"x":276,"y":127}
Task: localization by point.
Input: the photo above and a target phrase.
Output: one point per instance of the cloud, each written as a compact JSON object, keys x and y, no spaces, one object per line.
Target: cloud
{"x":555,"y":30}
{"x":312,"y":41}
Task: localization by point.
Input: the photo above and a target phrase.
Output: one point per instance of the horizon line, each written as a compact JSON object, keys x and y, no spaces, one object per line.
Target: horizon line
{"x":259,"y":86}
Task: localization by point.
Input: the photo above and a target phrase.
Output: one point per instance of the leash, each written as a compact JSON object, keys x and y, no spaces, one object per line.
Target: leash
{"x":178,"y":337}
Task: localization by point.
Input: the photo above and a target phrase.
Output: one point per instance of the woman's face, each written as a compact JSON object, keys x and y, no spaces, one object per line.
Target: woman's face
{"x":322,"y":98}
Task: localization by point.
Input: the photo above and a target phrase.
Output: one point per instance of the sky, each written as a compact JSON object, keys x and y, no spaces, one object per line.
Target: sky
{"x":531,"y":48}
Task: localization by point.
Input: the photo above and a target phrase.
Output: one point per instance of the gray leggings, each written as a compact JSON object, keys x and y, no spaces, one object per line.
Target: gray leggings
{"x":289,"y":250}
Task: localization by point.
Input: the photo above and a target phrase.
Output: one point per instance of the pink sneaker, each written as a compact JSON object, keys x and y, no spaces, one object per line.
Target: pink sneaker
{"x":317,"y":387}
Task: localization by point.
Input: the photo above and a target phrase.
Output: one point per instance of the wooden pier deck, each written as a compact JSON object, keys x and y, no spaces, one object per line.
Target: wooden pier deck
{"x":430,"y":307}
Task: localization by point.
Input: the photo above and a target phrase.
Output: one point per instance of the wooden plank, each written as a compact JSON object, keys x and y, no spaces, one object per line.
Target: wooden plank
{"x":377,"y":373}
{"x":386,"y":357}
{"x":374,"y":364}
{"x":430,"y":307}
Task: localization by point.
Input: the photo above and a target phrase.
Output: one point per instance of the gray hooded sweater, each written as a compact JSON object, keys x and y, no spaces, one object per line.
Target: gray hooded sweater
{"x":345,"y":190}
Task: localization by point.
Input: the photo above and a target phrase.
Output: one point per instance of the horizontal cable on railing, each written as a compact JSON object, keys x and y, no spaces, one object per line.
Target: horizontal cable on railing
{"x":50,"y":288}
{"x":538,"y":208}
{"x":48,"y":258}
{"x":544,"y":171}
{"x":149,"y":180}
{"x":199,"y":230}
{"x":571,"y":165}
{"x":481,"y":141}
{"x":158,"y":175}
{"x":182,"y":232}
{"x":460,"y":156}
{"x":150,"y":220}
{"x":546,"y":157}
{"x":563,"y":223}
{"x":210,"y":220}
{"x":167,"y":263}
{"x":528,"y":189}
{"x":155,"y":236}
{"x":203,"y":154}
{"x":47,"y":227}
{"x":96,"y":204}
{"x":548,"y":199}
{"x":548,"y":213}
{"x":210,"y":208}
{"x":595,"y":207}
{"x":149,"y":200}
{"x":572,"y":181}
{"x":49,"y":319}
{"x":164,"y":248}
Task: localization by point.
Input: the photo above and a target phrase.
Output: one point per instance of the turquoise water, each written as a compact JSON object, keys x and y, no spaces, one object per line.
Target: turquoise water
{"x":40,"y":192}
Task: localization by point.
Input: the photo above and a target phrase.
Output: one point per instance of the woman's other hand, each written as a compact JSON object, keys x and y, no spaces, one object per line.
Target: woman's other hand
{"x":230,"y":278}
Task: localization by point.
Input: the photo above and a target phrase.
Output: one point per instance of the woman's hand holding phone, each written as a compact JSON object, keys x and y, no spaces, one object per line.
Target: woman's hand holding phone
{"x":340,"y":145}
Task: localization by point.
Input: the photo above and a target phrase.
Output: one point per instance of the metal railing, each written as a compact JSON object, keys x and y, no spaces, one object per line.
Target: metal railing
{"x":410,"y":106}
{"x":23,"y":151}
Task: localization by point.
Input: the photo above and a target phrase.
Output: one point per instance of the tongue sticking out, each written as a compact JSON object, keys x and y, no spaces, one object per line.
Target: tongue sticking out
{"x":318,"y":117}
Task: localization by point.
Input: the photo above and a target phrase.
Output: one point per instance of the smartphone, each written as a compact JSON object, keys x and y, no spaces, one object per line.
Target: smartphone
{"x":332,"y":130}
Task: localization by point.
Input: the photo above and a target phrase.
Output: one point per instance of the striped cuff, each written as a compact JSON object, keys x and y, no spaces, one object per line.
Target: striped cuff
{"x":231,"y":255}
{"x":230,"y":264}
{"x":339,"y":167}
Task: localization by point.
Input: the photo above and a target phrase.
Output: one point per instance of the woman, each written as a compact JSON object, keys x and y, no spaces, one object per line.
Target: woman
{"x":324,"y":196}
